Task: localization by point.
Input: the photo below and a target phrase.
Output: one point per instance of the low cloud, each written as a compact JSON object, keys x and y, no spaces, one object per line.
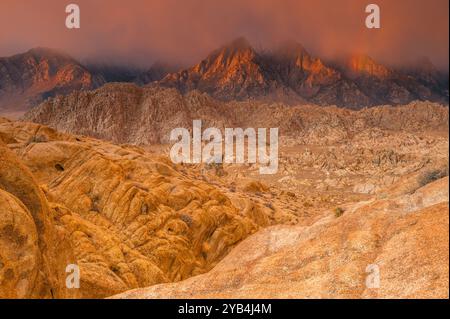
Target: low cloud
{"x":144,"y":31}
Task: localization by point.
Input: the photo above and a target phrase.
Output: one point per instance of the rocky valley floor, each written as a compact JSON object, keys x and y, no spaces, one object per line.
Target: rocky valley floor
{"x":354,"y":189}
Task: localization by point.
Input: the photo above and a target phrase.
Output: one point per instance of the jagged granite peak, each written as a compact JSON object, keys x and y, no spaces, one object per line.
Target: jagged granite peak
{"x":40,"y":64}
{"x":292,"y":53}
{"x":232,"y":71}
{"x":291,"y":74}
{"x":235,"y":49}
{"x":390,"y":85}
{"x":29,"y":78}
{"x":363,"y":64}
{"x":300,"y":71}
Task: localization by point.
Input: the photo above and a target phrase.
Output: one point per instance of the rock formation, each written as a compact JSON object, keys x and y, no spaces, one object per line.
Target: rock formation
{"x":126,"y":113}
{"x":127,"y":218}
{"x":354,"y":189}
{"x":33,"y":251}
{"x":404,"y":239}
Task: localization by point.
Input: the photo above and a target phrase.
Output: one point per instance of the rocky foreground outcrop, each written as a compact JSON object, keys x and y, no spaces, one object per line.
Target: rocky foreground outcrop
{"x":127,"y":218}
{"x":358,"y":188}
{"x":31,"y":248}
{"x":403,"y":239}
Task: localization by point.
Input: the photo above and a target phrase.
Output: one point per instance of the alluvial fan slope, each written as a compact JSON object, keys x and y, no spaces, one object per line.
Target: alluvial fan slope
{"x":126,"y":218}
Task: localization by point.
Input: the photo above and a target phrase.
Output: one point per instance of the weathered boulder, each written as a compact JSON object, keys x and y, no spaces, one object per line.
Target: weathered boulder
{"x":406,"y":245}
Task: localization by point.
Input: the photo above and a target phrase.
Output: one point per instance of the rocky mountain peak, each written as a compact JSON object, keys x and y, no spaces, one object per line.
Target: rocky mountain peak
{"x":362,"y":64}
{"x":236,"y":53}
{"x":29,"y":78}
{"x":237,"y":71}
{"x":233,"y":70}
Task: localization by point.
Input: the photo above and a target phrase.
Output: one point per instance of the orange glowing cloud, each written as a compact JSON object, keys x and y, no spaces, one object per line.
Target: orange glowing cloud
{"x":143,"y":31}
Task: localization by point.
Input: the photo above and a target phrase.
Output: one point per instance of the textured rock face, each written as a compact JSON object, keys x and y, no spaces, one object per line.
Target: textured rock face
{"x":28,"y":78}
{"x":350,"y":184}
{"x":362,"y":64}
{"x":125,"y":113}
{"x":20,"y":257}
{"x":126,"y":218}
{"x":33,"y":251}
{"x":290,"y":73}
{"x":232,"y":71}
{"x":405,"y":237}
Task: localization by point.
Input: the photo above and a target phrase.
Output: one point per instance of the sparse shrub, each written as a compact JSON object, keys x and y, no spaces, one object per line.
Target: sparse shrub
{"x":144,"y":209}
{"x":338,"y":212}
{"x":256,"y":187}
{"x":307,"y":204}
{"x":95,"y":204}
{"x":432,"y":175}
{"x":291,"y":194}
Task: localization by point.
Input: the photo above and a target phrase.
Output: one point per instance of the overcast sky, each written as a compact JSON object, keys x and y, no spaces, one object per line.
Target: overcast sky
{"x":184,"y":31}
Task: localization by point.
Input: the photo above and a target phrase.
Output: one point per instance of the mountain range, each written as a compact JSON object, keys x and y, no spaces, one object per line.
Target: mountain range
{"x":29,"y":78}
{"x":235,"y":71}
{"x":127,"y":113}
